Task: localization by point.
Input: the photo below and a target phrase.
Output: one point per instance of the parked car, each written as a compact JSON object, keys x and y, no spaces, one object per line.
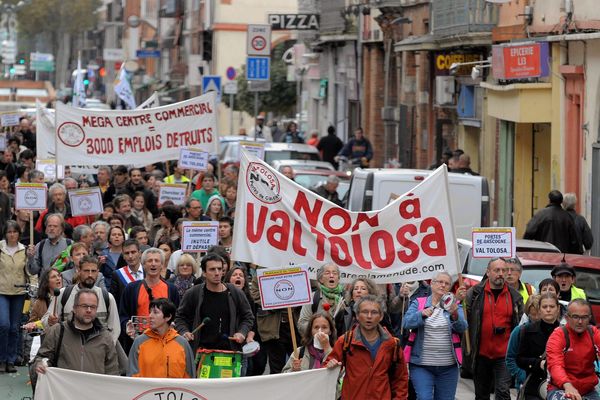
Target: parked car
{"x":229,"y":149}
{"x":290,"y":151}
{"x":306,"y":165}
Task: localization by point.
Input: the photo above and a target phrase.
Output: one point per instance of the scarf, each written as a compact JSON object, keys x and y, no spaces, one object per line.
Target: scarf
{"x":332,"y":294}
{"x":183,"y":284}
{"x":317,"y":355}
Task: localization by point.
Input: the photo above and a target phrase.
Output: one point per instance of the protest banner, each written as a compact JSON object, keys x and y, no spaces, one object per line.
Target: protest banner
{"x":63,"y":384}
{"x":199,"y":236}
{"x":45,"y":131}
{"x":193,"y":159}
{"x":151,"y":102}
{"x":86,"y":201}
{"x":172,"y":191}
{"x":278,"y":222}
{"x":257,"y":149}
{"x":135,"y":136}
{"x":494,"y":242}
{"x":30,"y":196}
{"x":48,"y":167}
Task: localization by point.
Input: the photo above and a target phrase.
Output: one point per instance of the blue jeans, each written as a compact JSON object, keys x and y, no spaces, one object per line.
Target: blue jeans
{"x":559,"y":395}
{"x":434,"y":383}
{"x":11,"y":310}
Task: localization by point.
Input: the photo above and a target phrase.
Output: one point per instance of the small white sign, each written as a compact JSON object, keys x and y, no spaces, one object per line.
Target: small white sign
{"x":113,"y":54}
{"x":257,"y":149}
{"x":259,"y":40}
{"x":174,"y":192}
{"x":48,"y":167}
{"x":193,"y":159}
{"x":199,"y":236}
{"x":494,"y":242}
{"x":2,"y":141}
{"x":230,"y":87}
{"x":30,"y":196}
{"x":9,"y":119}
{"x":86,"y":201}
{"x":281,"y":288}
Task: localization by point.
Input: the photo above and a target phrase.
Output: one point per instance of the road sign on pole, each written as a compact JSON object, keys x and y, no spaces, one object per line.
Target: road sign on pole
{"x":258,"y":68}
{"x":259,"y":40}
{"x":259,"y":86}
{"x":212,"y":83}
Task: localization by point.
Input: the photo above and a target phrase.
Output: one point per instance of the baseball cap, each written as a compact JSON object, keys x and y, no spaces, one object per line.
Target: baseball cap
{"x":561,"y":269}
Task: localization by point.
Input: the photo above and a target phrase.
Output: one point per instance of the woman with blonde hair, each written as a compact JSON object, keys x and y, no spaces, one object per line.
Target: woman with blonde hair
{"x":186,"y":272}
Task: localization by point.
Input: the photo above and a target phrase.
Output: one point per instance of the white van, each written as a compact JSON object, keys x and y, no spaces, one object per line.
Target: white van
{"x":372,"y":189}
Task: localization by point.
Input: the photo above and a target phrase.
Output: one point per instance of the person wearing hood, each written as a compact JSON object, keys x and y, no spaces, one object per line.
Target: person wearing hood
{"x":160,"y":352}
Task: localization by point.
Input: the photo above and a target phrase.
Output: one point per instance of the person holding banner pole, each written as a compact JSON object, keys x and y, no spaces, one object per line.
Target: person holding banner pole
{"x":317,"y":343}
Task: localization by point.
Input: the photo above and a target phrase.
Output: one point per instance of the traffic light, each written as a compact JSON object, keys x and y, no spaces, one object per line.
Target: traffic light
{"x":102,"y":72}
{"x":86,"y":81}
{"x":21,"y":61}
{"x":207,"y":45}
{"x":12,"y":70}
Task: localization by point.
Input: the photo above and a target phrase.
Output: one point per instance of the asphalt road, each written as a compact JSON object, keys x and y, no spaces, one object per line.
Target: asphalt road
{"x":465,"y":390}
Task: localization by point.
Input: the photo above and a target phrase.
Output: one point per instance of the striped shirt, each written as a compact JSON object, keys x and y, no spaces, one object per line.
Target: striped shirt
{"x":437,"y":343}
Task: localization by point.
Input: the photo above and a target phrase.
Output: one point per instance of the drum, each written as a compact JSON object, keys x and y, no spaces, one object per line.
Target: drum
{"x":218,"y":364}
{"x":251,"y":349}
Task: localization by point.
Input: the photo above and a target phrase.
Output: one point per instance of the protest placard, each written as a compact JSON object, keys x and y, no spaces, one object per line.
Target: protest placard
{"x":86,"y":201}
{"x":494,"y":242}
{"x":48,"y":167}
{"x":174,"y":192}
{"x":199,"y":235}
{"x":10,"y":119}
{"x":281,"y":288}
{"x":257,"y":149}
{"x":193,"y":159}
{"x":30,"y":196}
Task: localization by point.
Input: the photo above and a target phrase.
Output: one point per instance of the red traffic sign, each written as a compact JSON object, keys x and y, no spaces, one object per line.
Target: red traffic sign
{"x":231,"y":73}
{"x":259,"y":40}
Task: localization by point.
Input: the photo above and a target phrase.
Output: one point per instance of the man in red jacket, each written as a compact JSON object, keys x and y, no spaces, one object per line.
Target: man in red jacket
{"x":571,"y":365}
{"x":375,"y":366}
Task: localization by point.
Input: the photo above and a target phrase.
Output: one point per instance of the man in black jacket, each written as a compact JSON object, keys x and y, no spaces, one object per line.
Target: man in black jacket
{"x":584,"y":233}
{"x":329,"y":146}
{"x":224,"y":307}
{"x":554,"y":225}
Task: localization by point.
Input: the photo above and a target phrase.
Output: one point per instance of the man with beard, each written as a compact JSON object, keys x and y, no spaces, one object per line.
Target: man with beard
{"x":100,"y":229}
{"x":42,"y":255}
{"x":83,"y":334}
{"x":123,"y":206}
{"x":494,"y":309}
{"x":107,"y":311}
{"x":59,"y":204}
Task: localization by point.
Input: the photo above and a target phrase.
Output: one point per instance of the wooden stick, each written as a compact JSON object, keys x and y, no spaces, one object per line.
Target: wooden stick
{"x":404,"y":298}
{"x":467,"y":339}
{"x":31,"y":239}
{"x":293,"y":332}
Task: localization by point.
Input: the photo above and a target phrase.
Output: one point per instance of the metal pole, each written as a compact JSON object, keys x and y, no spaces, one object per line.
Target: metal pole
{"x":255,"y":113}
{"x":231,"y":100}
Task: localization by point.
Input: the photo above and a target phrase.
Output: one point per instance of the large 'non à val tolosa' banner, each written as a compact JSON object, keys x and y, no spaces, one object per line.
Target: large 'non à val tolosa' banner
{"x":279,"y":222}
{"x":135,"y":136}
{"x":62,"y":384}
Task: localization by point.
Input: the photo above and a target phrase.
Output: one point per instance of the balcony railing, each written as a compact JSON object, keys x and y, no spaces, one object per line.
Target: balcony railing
{"x":456,"y":17}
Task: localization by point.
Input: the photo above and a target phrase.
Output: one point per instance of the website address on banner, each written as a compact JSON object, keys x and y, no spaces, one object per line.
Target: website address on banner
{"x":402,"y":275}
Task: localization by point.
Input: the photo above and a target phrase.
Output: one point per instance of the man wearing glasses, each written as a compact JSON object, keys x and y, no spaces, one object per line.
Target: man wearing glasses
{"x":80,"y":344}
{"x":493,"y":309}
{"x":375,"y":366}
{"x":514,"y":270}
{"x":570,"y":355}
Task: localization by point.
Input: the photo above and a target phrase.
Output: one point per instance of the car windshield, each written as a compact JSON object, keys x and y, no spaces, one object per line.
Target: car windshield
{"x":586,"y":279}
{"x":270,"y":156}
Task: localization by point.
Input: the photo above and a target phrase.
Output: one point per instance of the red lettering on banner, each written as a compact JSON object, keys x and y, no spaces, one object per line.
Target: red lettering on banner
{"x":96,"y":122}
{"x":388,"y":245}
{"x":339,"y":212}
{"x":297,"y":239}
{"x":255,"y":235}
{"x":283,"y":230}
{"x":320,"y":244}
{"x":301,"y":204}
{"x":362,"y":217}
{"x":408,"y":244}
{"x":358,"y":253}
{"x":433,"y":244}
{"x":338,"y":246}
{"x":410,"y":208}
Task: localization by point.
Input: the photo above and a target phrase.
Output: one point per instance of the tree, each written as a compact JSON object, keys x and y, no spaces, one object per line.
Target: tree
{"x":60,"y":20}
{"x":281,"y":99}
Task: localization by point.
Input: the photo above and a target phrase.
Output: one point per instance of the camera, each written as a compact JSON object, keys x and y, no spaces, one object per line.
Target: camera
{"x":499,"y":330}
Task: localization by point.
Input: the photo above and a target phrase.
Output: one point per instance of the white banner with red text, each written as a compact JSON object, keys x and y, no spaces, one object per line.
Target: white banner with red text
{"x":62,"y":384}
{"x":279,"y":222}
{"x":135,"y":136}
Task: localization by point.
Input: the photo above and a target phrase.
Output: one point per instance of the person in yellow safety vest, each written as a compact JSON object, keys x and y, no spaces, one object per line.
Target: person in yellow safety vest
{"x":564,"y":275}
{"x":178,"y":176}
{"x":513,"y":278}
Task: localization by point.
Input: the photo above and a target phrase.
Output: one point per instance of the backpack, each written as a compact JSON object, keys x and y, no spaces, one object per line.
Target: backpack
{"x":67,"y":293}
{"x":568,"y":339}
{"x":413,"y":336}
